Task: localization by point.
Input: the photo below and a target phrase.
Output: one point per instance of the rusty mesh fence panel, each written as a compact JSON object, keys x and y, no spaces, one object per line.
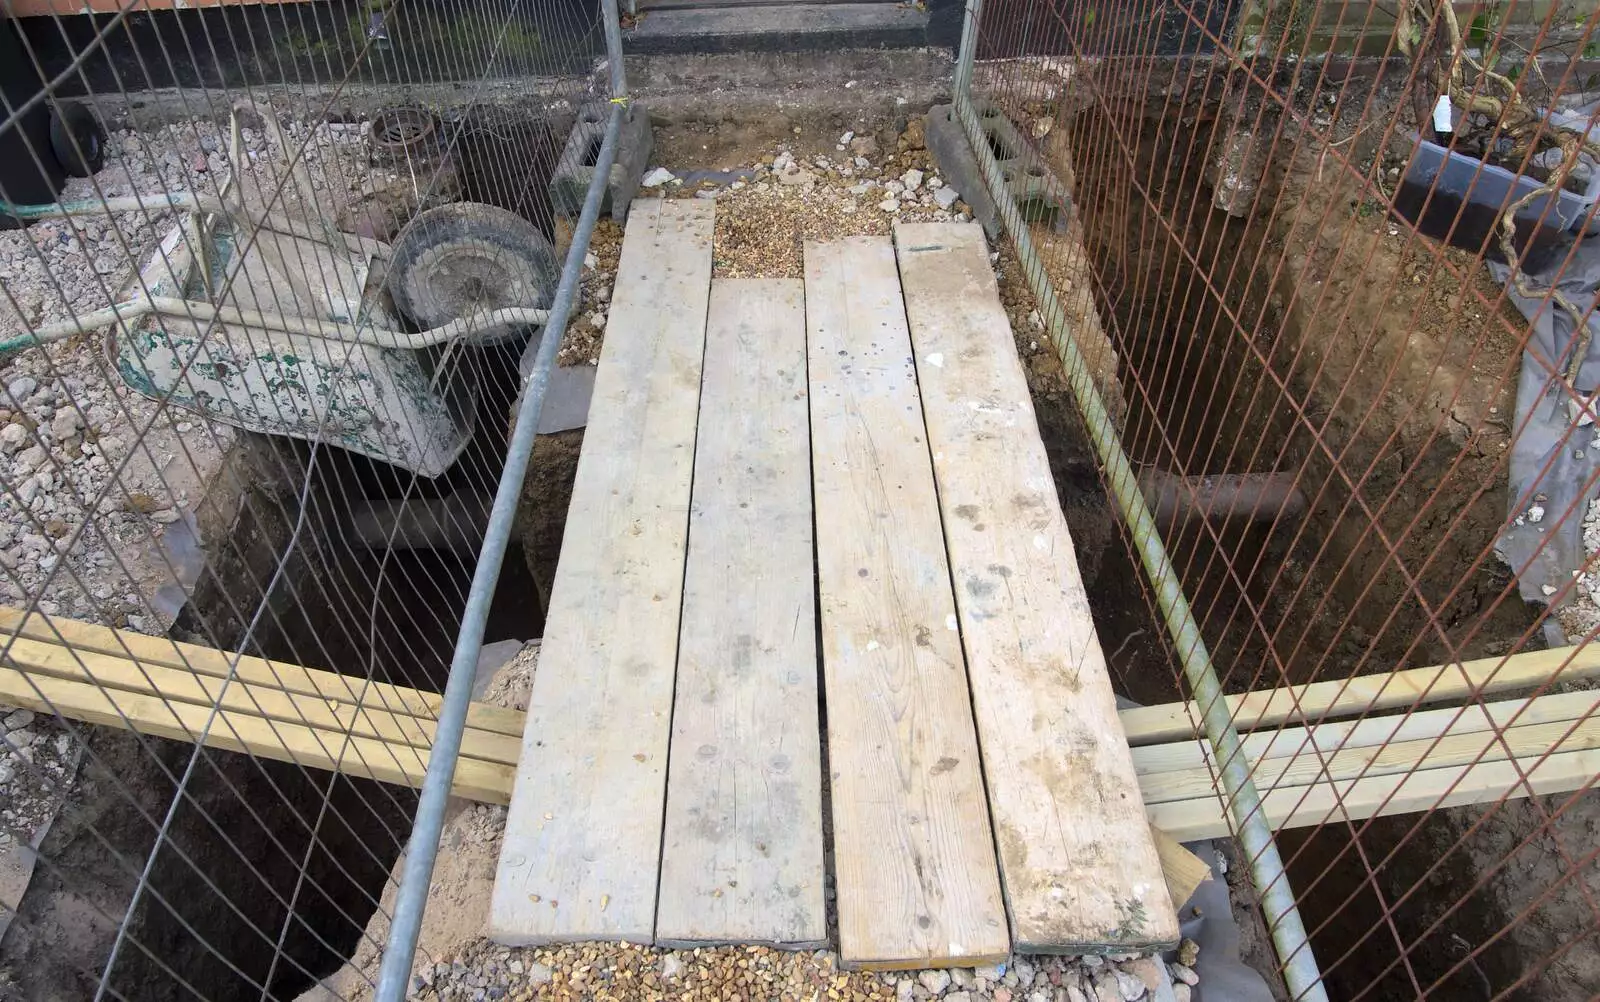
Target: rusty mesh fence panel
{"x":238,"y":444}
{"x":1362,"y":456}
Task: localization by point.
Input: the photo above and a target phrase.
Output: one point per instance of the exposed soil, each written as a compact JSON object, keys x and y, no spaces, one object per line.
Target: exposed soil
{"x":270,"y":870}
{"x":542,"y":510}
{"x":1319,"y":336}
{"x":458,"y":896}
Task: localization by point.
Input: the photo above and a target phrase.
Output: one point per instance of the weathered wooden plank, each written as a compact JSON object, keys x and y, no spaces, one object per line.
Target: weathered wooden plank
{"x":1081,"y":872}
{"x":741,"y":857}
{"x":913,"y":854}
{"x":583,"y":840}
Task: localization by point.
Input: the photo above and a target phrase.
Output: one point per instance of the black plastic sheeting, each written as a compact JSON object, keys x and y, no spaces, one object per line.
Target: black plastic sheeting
{"x":1554,"y":457}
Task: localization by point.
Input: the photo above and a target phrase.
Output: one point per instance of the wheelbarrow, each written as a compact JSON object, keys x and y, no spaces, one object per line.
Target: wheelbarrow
{"x":285,"y":326}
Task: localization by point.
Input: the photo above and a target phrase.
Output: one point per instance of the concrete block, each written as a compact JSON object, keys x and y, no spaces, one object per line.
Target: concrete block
{"x":1028,"y":177}
{"x":570,"y":181}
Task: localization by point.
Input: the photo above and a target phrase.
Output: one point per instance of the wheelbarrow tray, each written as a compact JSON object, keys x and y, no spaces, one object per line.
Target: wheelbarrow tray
{"x":398,"y":405}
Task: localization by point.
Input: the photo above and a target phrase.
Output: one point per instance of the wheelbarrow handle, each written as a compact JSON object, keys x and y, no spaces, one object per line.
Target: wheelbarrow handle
{"x":331,"y":330}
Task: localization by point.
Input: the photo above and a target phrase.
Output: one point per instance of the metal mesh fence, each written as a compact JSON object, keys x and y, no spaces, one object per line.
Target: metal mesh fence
{"x":273,"y":276}
{"x":1325,"y":267}
{"x":273,"y":281}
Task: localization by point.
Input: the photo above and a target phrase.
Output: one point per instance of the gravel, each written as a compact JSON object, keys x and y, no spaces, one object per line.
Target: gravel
{"x":57,"y":268}
{"x":767,"y":209}
{"x":38,"y":762}
{"x":585,"y":334}
{"x":37,"y":757}
{"x":763,"y":224}
{"x":1580,"y":615}
{"x":483,"y":970}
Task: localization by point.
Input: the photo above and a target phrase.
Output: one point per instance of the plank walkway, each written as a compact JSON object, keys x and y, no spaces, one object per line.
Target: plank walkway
{"x":742,"y":853}
{"x":1060,"y":774}
{"x":816,"y":595}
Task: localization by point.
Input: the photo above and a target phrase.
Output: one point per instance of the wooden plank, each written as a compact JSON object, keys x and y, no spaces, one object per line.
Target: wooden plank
{"x":149,"y":713}
{"x":1196,"y":818}
{"x":201,"y":660}
{"x":1347,"y":697}
{"x":266,"y":702}
{"x":741,"y":853}
{"x":1443,"y":751}
{"x":153,"y":712}
{"x":913,"y":854}
{"x":1289,"y":741}
{"x":338,"y":719}
{"x":582,"y":847}
{"x":1381,"y":796}
{"x":1081,"y":872}
{"x":1182,"y":870}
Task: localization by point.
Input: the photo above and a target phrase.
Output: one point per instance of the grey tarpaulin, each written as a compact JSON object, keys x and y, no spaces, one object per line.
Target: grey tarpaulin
{"x":1546,"y":431}
{"x":1207,"y":918}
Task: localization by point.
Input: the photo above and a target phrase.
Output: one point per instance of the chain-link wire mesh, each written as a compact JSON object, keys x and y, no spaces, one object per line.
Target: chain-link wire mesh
{"x":252,"y":404}
{"x":1324,"y":266}
{"x":267,"y":272}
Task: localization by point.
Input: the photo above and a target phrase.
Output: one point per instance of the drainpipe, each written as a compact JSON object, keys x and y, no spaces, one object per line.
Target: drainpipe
{"x":1299,"y":965}
{"x":1259,"y":497}
{"x":455,"y":522}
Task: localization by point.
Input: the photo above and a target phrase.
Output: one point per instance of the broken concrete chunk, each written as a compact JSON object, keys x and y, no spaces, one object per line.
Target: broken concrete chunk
{"x":65,"y":424}
{"x":656,"y":177}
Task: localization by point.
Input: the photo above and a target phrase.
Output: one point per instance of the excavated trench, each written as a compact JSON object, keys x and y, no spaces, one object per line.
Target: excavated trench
{"x":1205,"y":315}
{"x":265,"y":853}
{"x":270,"y":871}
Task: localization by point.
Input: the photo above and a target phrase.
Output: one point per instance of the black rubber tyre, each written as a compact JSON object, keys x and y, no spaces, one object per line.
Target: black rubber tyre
{"x":465,"y":258}
{"x":77,"y":140}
